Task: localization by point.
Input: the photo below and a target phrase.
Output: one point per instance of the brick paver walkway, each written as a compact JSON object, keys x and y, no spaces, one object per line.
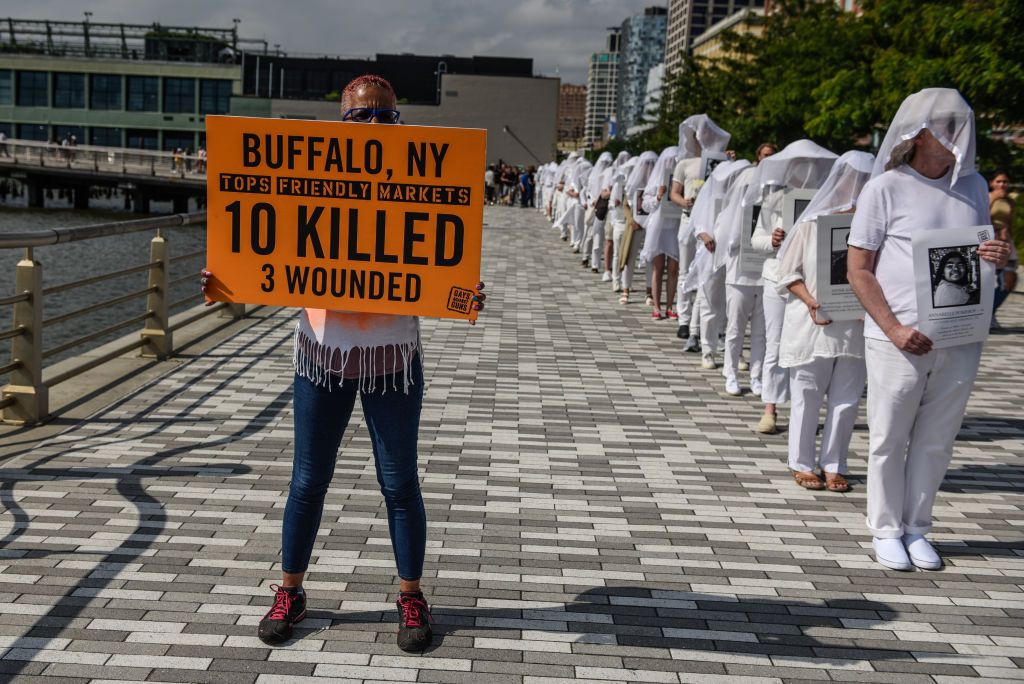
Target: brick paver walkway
{"x":599,"y":510}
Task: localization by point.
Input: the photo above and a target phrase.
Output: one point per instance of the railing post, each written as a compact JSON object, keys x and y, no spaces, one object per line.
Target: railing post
{"x":26,"y":382}
{"x":156,"y":331}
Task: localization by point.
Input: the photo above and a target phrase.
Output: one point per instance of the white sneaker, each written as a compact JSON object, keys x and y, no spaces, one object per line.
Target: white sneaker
{"x":755,"y":387}
{"x":891,"y":554}
{"x":743,"y":365}
{"x":607,"y":277}
{"x":732,"y":387}
{"x":921,"y":553}
{"x":708,"y":361}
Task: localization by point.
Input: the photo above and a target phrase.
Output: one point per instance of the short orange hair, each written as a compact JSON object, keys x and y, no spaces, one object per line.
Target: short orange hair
{"x":367,"y":80}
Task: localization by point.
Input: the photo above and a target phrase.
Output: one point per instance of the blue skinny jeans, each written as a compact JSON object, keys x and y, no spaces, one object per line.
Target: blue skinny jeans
{"x":393,"y":418}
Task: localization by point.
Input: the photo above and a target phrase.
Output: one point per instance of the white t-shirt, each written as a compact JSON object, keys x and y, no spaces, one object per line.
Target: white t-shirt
{"x":489,"y":177}
{"x":890,"y":209}
{"x":616,"y":210}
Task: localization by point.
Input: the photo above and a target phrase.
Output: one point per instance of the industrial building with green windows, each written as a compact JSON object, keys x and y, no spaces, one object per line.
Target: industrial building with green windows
{"x":116,"y":85}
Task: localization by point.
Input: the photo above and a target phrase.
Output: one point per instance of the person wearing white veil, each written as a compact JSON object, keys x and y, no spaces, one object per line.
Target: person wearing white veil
{"x":591,"y":225}
{"x":743,"y":290}
{"x":704,"y":277}
{"x":661,"y":244}
{"x":824,"y":357}
{"x":635,"y":218}
{"x":609,"y":251}
{"x":570,"y":223}
{"x":617,"y":218}
{"x":561,"y":204}
{"x":801,"y":164}
{"x":697,"y":134}
{"x":924,"y":179}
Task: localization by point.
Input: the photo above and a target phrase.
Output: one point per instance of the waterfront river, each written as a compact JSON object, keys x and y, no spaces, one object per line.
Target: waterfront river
{"x":78,"y":260}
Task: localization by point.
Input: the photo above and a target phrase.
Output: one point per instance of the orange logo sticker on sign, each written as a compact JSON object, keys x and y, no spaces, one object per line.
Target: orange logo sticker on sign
{"x":345,"y":216}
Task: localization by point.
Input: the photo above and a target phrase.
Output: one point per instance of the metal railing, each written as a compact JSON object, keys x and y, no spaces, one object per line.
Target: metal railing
{"x":115,"y":160}
{"x":25,"y":399}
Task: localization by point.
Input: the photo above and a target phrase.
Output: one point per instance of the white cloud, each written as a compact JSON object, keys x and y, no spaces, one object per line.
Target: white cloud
{"x":554,"y":33}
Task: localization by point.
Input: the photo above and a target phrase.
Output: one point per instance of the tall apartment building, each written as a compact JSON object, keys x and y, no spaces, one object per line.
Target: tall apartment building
{"x":602,"y":90}
{"x":643,"y":47}
{"x":688,"y":19}
{"x":572,"y":115}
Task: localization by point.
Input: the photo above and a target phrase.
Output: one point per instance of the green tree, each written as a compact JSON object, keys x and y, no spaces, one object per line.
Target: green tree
{"x":838,"y":77}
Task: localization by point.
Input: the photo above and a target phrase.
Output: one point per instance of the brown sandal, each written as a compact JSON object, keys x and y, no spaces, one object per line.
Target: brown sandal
{"x":808,"y":480}
{"x":834,"y":482}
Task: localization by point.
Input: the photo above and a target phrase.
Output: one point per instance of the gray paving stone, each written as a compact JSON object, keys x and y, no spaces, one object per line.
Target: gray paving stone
{"x":599,"y":511}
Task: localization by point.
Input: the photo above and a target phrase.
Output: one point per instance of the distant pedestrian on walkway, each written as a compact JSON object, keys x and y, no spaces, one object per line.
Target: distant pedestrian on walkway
{"x":335,"y":353}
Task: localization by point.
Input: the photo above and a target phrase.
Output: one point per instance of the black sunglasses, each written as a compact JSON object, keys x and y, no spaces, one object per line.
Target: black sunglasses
{"x":370,"y":114}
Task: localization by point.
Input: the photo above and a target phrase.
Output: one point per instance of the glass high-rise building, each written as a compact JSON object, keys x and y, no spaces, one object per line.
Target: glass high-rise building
{"x":642,"y":48}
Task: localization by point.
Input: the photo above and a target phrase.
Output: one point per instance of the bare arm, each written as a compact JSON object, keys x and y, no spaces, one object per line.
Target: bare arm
{"x":800,"y":291}
{"x":861,"y":274}
{"x":676,"y":196}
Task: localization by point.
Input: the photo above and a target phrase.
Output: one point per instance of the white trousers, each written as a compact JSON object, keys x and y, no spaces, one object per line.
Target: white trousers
{"x":915,"y":407}
{"x":629,"y":270}
{"x":597,"y":244}
{"x":712,"y":311}
{"x":842,"y":381}
{"x":774,"y":377}
{"x":618,"y":231}
{"x":684,"y":300}
{"x":575,"y":222}
{"x":742,"y":304}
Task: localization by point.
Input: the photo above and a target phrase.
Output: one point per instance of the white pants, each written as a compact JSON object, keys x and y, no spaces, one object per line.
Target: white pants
{"x":597,"y":243}
{"x":915,"y":407}
{"x":742,"y":304}
{"x":842,"y":380}
{"x":684,"y":300}
{"x":618,"y":231}
{"x":575,"y":222}
{"x":774,"y":377}
{"x":629,"y":270}
{"x":588,"y":232}
{"x":712,"y":311}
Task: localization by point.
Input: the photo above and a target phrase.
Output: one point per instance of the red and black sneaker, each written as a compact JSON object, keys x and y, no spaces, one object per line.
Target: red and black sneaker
{"x":289,"y":609}
{"x":414,"y":633}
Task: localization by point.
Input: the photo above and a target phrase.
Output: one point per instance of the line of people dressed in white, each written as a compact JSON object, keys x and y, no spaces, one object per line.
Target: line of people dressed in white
{"x":729,"y":250}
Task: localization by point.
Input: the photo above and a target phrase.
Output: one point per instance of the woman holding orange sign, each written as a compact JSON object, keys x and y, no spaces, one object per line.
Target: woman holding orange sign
{"x":339,"y":355}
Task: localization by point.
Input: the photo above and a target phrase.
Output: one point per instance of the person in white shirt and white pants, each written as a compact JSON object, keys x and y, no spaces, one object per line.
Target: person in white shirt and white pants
{"x":924,"y":179}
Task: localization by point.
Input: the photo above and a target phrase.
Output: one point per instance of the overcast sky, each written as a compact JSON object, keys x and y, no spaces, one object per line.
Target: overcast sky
{"x":557,"y":34}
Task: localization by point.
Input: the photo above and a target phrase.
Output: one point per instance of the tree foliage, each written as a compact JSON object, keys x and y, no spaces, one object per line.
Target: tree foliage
{"x":838,"y":78}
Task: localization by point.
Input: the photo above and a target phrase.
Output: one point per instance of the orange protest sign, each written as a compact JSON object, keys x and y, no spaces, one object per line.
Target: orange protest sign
{"x":345,"y":216}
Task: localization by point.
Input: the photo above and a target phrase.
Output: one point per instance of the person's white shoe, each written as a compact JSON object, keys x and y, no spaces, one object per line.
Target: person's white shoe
{"x":755,"y":387}
{"x":921,"y":553}
{"x":891,"y":554}
{"x":732,"y":386}
{"x":708,"y":361}
{"x":607,"y":277}
{"x":743,"y":365}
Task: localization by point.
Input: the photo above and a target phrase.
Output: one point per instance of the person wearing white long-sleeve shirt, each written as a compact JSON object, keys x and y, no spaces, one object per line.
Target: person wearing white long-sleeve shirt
{"x":924,"y":179}
{"x":825,"y":358}
{"x":801,"y":164}
{"x":743,"y":290}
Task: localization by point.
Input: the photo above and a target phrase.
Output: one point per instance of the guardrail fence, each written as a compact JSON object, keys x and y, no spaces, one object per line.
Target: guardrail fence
{"x":25,"y":399}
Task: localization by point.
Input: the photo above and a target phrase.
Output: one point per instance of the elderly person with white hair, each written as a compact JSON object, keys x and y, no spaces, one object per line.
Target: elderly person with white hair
{"x":825,"y":358}
{"x":924,"y":179}
{"x":801,"y":164}
{"x":697,"y":134}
